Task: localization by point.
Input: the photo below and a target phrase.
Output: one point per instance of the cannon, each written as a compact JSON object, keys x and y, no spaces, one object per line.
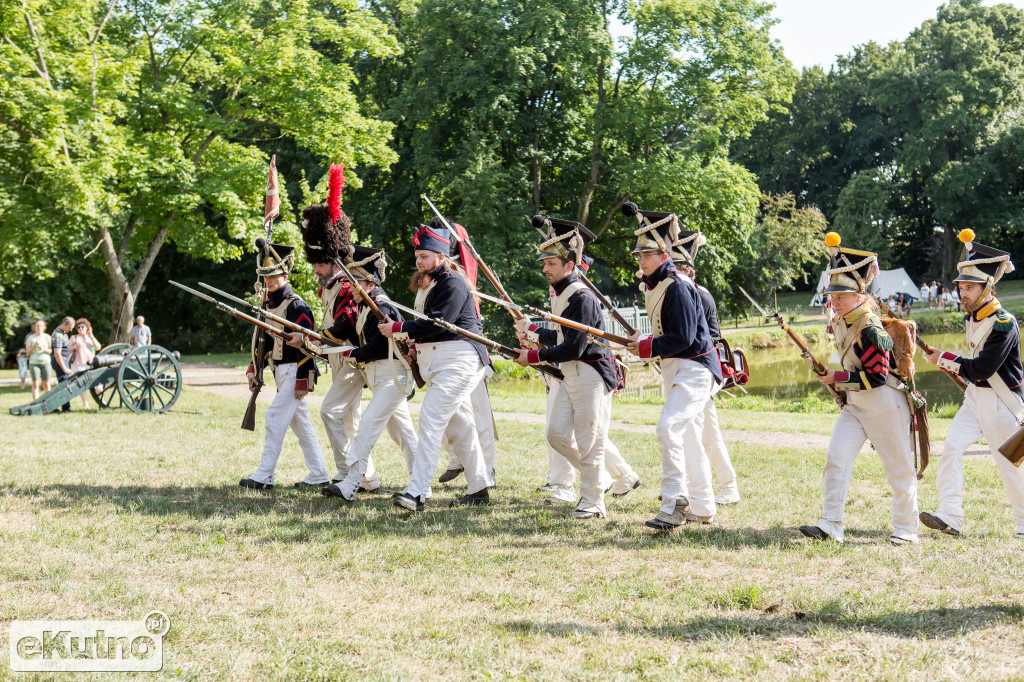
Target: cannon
{"x":146,"y":379}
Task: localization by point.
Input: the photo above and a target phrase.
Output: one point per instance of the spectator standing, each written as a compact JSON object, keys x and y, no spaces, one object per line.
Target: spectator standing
{"x":933,"y":294}
{"x":83,"y":349}
{"x":39,"y":349}
{"x":22,"y":368}
{"x":61,"y":358}
{"x":924,"y":295}
{"x":140,"y":334}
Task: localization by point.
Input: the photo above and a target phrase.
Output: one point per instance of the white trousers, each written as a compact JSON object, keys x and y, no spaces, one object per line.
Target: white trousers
{"x":577,"y":428}
{"x":340,"y":412}
{"x":714,"y":447}
{"x":685,"y":468}
{"x":452,"y":370}
{"x":387,"y":409}
{"x":883,"y":416}
{"x":287,"y":410}
{"x":561,"y":472}
{"x":483,"y":419}
{"x":982,"y":414}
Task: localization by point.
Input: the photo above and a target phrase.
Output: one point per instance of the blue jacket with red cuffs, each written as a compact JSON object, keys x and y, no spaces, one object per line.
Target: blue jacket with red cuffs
{"x":451,"y":300}
{"x":1000,"y":354}
{"x":683,"y":321}
{"x":582,"y":307}
{"x":299,"y":312}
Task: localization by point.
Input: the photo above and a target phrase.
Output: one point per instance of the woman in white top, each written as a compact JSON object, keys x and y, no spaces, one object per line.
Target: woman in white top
{"x":39,"y":349}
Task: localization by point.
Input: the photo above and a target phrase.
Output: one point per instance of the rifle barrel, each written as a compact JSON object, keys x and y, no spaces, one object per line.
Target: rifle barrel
{"x":579,"y":326}
{"x":319,"y":338}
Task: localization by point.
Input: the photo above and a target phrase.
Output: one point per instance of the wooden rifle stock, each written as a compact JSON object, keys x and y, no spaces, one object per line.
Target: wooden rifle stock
{"x":816,"y":364}
{"x":402,"y":346}
{"x":1013,"y":448}
{"x":259,"y":365}
{"x":579,"y":326}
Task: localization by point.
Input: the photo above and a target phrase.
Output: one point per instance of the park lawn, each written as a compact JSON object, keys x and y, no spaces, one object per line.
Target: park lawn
{"x":110,"y":515}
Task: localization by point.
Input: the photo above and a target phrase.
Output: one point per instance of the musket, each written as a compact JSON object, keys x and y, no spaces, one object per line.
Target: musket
{"x":507,"y":351}
{"x":273,"y":331}
{"x":565,"y":322}
{"x":960,"y":383}
{"x":249,"y":419}
{"x":319,"y":338}
{"x":805,"y":352}
{"x":402,"y":346}
{"x":630,"y":330}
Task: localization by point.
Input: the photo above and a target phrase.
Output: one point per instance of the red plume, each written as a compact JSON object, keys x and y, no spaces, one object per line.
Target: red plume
{"x":335,"y":183}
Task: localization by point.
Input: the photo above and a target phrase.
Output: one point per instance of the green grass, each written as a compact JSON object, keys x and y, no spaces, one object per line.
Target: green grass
{"x":234,"y":360}
{"x":111,"y":514}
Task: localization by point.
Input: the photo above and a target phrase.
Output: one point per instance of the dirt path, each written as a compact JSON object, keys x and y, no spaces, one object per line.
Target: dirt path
{"x":230,"y":383}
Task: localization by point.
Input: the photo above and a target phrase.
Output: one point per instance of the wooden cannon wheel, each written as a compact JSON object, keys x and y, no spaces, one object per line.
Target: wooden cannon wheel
{"x":149,"y":380}
{"x":106,"y":395}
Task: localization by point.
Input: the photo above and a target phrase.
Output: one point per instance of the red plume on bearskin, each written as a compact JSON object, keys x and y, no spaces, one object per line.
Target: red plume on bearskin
{"x":335,"y":183}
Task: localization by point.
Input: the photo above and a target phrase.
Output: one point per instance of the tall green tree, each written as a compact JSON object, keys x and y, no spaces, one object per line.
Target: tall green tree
{"x":124,"y":124}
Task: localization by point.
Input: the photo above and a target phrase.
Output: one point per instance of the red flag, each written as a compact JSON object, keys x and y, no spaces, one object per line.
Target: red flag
{"x":469,"y":263}
{"x":272,"y":207}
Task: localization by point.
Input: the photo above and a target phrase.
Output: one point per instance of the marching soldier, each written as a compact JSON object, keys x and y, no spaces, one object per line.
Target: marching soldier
{"x":993,"y":401}
{"x":689,"y":367}
{"x":876,"y":406}
{"x":386,"y":375}
{"x":452,"y":366}
{"x":684,"y":255}
{"x":294,"y":373}
{"x":617,"y":476}
{"x":326,"y":234}
{"x":580,"y":411}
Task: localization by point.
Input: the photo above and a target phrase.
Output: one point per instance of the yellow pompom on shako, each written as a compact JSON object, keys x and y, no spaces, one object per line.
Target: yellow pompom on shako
{"x":981,"y":263}
{"x":967,"y":235}
{"x":832,"y":240}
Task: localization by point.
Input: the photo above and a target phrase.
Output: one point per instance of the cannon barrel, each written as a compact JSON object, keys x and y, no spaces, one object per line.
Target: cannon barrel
{"x":116,"y":359}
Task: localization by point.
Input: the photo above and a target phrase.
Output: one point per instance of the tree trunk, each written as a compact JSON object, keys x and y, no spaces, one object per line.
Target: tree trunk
{"x":122,"y":294}
{"x":950,"y":252}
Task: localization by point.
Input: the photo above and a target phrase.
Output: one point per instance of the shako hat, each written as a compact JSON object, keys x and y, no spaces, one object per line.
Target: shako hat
{"x":433,"y":236}
{"x":566,"y":239}
{"x":369,"y":264}
{"x":981,"y":263}
{"x":326,"y":230}
{"x":684,"y":249}
{"x":657,"y":230}
{"x":848,"y":269}
{"x":273,"y":259}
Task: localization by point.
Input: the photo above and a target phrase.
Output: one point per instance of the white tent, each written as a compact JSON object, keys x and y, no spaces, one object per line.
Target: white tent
{"x":886,"y":282}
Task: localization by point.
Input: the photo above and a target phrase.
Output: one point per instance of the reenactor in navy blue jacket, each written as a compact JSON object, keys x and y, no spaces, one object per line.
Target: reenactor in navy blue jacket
{"x":452,"y":366}
{"x":689,"y":368}
{"x":381,"y":367}
{"x":577,"y":425}
{"x":295,"y":374}
{"x":684,"y":255}
{"x":993,"y":401}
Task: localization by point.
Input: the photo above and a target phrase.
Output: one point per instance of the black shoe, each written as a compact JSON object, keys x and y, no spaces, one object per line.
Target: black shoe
{"x":309,"y":487}
{"x":659,"y":525}
{"x":473,"y":500}
{"x":935,"y":523}
{"x":408,"y":502}
{"x":449,"y":475}
{"x":334,"y":490}
{"x":814,"y":533}
{"x":255,"y":485}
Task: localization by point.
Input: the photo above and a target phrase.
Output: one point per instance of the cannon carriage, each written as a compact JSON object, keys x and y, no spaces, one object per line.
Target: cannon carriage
{"x":146,"y":379}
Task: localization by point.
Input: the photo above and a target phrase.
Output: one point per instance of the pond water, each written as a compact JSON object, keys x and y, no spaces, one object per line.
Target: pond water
{"x":783,"y":373}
